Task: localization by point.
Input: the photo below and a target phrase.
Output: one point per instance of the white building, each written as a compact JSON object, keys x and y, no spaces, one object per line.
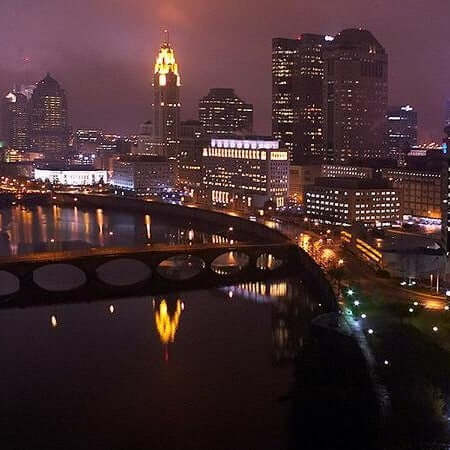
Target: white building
{"x":72,"y":176}
{"x":245,"y":173}
{"x":345,"y":201}
{"x":142,"y":174}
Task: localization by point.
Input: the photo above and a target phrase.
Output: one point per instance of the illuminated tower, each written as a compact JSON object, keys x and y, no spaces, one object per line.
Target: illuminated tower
{"x":297,"y":94}
{"x":49,"y":118}
{"x":355,"y":96}
{"x":166,"y":104}
{"x":16,"y":121}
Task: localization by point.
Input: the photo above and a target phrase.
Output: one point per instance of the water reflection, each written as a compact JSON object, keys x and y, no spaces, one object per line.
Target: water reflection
{"x":167,"y":322}
{"x":51,"y":228}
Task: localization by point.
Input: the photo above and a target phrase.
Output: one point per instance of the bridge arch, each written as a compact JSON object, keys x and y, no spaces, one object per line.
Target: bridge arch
{"x":59,"y":277}
{"x":122,"y":272}
{"x":9,"y":283}
{"x":181,"y":267}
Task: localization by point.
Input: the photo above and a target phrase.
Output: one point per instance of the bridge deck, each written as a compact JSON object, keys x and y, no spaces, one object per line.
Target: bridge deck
{"x":70,"y":255}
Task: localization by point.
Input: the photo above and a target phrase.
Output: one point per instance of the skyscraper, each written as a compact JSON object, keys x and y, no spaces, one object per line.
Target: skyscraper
{"x":284,"y":69}
{"x":308,"y":97}
{"x":223,"y":112}
{"x":297,"y":94}
{"x":166,"y":104}
{"x":355,"y":96}
{"x":16,"y":121}
{"x":401,"y":130}
{"x":49,"y":118}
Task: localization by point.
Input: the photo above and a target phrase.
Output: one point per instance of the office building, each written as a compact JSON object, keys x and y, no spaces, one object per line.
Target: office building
{"x":49,"y":118}
{"x":145,"y":142}
{"x":300,"y":177}
{"x":297,"y":94}
{"x":86,"y":138}
{"x":143,"y":174}
{"x":355,"y":96}
{"x":190,"y":156}
{"x":347,"y":171}
{"x":246,"y":173}
{"x":420,"y":191}
{"x":308,"y":96}
{"x":16,"y":121}
{"x":71,"y":176}
{"x":166,"y":102}
{"x":401,"y":134}
{"x":223,"y":113}
{"x":344,"y":201}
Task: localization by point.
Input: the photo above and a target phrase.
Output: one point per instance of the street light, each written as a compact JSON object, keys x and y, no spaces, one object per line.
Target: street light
{"x":350,"y":292}
{"x":340,"y":262}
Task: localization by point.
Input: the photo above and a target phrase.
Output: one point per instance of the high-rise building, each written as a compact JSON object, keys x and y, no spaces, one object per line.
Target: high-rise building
{"x":166,"y":103}
{"x":308,"y":96}
{"x":297,"y":94}
{"x":284,"y":68}
{"x":49,"y":118}
{"x":355,"y":96}
{"x":222,"y":112}
{"x":401,"y":132}
{"x":16,"y":121}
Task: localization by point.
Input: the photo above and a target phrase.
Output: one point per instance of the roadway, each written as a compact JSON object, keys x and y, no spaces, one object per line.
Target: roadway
{"x":359,"y":274}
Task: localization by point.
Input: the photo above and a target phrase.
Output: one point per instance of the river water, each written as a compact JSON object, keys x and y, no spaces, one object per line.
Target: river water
{"x":191,"y":370}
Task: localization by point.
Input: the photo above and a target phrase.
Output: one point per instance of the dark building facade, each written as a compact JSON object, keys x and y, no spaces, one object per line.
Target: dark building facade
{"x":355,"y":96}
{"x":297,"y":94}
{"x":222,"y":112}
{"x":166,"y":102}
{"x":284,"y":69}
{"x":49,"y":118}
{"x":308,"y":97}
{"x":401,"y":132}
{"x":16,"y":121}
{"x":190,"y":156}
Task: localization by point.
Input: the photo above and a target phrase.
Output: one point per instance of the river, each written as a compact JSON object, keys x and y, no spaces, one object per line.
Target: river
{"x":190,"y":370}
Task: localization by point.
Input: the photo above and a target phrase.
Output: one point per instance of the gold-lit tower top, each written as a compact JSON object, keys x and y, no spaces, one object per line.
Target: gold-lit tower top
{"x":166,"y":63}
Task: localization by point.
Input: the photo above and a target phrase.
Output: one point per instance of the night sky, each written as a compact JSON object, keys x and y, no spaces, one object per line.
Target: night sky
{"x":102,"y":51}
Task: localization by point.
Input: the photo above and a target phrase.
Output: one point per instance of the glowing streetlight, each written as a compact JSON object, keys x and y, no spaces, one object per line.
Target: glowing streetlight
{"x":363,"y":316}
{"x":370,"y":331}
{"x":386,"y":362}
{"x":53,"y":321}
{"x":111,"y":309}
{"x":435,"y":329}
{"x":356,"y":302}
{"x":350,"y":292}
{"x":411,"y":310}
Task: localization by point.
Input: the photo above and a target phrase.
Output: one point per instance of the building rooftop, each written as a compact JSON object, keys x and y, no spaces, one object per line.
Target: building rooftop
{"x":63,"y":167}
{"x":357,"y":38}
{"x":143,"y":158}
{"x":353,"y":183}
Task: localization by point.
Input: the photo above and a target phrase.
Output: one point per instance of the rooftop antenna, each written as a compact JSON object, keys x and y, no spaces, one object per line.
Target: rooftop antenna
{"x":166,"y":36}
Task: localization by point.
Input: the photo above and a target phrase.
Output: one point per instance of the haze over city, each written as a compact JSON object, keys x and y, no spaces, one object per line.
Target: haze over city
{"x":102,"y":52}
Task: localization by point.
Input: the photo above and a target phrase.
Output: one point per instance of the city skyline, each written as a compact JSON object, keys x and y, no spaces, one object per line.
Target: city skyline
{"x":218,"y":54}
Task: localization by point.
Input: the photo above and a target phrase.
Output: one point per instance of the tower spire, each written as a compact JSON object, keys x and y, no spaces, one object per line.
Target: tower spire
{"x":166,"y":36}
